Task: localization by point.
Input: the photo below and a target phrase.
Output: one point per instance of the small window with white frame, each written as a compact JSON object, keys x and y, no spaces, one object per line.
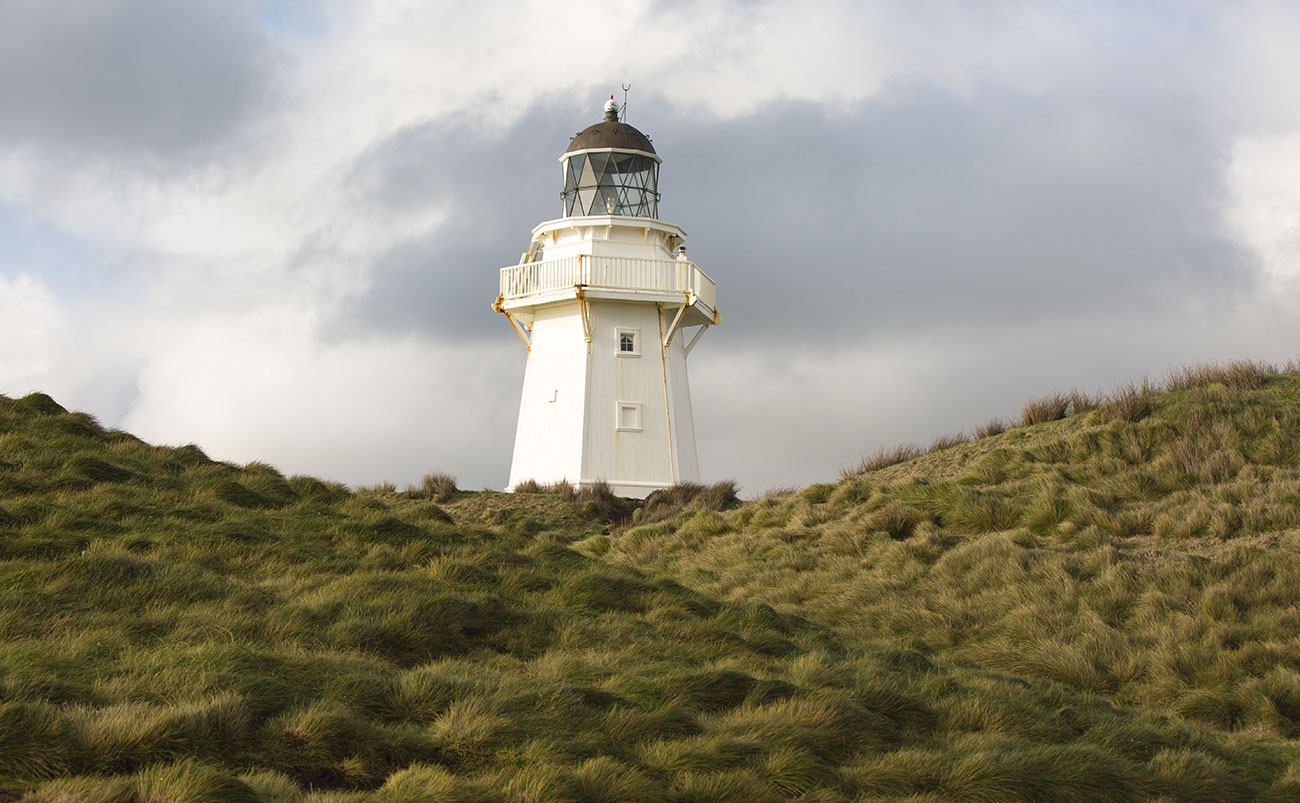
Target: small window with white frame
{"x":629,"y":342}
{"x":628,"y":417}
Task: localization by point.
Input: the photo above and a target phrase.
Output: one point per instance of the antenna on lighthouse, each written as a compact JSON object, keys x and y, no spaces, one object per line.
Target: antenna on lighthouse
{"x":626,"y":87}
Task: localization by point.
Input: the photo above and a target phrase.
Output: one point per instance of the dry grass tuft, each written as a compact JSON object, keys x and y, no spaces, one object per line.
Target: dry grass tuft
{"x":1052,"y":407}
{"x":948,"y":441}
{"x":994,"y":426}
{"x":438,"y":486}
{"x":883,"y":458}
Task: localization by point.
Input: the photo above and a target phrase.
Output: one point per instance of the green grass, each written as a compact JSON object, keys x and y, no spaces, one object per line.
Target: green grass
{"x":1100,"y":606}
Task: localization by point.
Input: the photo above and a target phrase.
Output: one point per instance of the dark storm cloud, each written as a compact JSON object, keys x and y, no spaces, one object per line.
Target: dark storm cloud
{"x":129,"y":77}
{"x":495,"y":188}
{"x":922,"y":208}
{"x":917,"y":208}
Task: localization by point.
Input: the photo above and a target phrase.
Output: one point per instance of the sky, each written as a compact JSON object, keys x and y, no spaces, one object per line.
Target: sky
{"x":273,"y":227}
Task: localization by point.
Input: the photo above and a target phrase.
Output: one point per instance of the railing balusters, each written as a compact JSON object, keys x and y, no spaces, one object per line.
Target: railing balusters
{"x":611,"y":272}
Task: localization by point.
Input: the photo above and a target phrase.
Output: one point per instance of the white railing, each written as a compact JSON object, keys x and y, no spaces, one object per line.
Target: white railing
{"x":612,"y":273}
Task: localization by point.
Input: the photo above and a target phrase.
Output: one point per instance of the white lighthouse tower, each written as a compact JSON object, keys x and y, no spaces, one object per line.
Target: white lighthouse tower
{"x":608,"y":306}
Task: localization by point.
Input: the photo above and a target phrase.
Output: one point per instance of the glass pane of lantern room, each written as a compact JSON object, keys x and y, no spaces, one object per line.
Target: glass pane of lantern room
{"x":623,"y":163}
{"x":597,"y":162}
{"x":572,"y":172}
{"x":608,"y":203}
{"x":587,"y":178}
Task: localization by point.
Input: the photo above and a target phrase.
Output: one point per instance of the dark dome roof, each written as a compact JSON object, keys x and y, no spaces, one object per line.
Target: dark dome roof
{"x":610,"y":133}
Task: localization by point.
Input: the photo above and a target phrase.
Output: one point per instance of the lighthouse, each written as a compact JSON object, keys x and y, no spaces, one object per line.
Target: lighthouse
{"x":608,"y":307}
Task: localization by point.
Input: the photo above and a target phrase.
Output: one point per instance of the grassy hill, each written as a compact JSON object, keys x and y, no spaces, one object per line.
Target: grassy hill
{"x":1100,"y":604}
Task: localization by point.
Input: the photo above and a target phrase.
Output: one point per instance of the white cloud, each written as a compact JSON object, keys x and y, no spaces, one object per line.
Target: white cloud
{"x":31,"y":332}
{"x":236,"y":255}
{"x":1265,"y":208}
{"x":265,"y":387}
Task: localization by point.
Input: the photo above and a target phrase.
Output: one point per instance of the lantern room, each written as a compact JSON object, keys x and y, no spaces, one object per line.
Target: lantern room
{"x":611,"y":169}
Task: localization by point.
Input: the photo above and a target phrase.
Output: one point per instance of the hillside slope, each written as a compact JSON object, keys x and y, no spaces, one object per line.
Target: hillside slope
{"x":1097,"y":608}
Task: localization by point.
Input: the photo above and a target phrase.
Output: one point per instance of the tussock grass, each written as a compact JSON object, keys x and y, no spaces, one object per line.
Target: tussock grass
{"x":1131,"y":402}
{"x":1053,"y":407}
{"x":438,"y":486}
{"x":1237,"y":375}
{"x":668,"y":502}
{"x":191,"y":782}
{"x":36,"y":741}
{"x":948,"y":441}
{"x":994,"y":426}
{"x":1099,"y":606}
{"x":882,"y":458}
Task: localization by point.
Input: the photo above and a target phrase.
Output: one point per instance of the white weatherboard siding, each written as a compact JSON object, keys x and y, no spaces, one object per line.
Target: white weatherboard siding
{"x":569,"y":415}
{"x":548,"y":440}
{"x":686,"y":461}
{"x":616,"y":454}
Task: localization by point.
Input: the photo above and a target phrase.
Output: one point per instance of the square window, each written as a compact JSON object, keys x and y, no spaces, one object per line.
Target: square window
{"x":629,"y":417}
{"x":627,"y":343}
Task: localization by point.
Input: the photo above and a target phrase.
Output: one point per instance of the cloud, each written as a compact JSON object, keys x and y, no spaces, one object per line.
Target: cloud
{"x":1265,"y":208}
{"x":923,"y":209}
{"x":33,"y":328}
{"x":265,"y":387}
{"x":915,"y":208}
{"x":130,"y":78}
{"x":274,"y":228}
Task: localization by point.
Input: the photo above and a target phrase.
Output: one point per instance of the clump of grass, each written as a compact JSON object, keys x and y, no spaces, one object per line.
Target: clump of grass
{"x":636,"y":726}
{"x":35,"y":741}
{"x":319,"y":746}
{"x":1081,"y":401}
{"x":883,"y":457}
{"x":948,"y":441}
{"x":41,"y":404}
{"x":1052,"y":407}
{"x":420,"y":782}
{"x":714,"y":690}
{"x":1190,"y":774}
{"x":605,"y":780}
{"x":727,"y":786}
{"x":1047,"y":773}
{"x":668,"y":502}
{"x":191,"y":782}
{"x":994,"y":426}
{"x":1132,"y":402}
{"x":598,"y":501}
{"x":898,"y":773}
{"x":562,"y":488}
{"x":971,"y":511}
{"x":306,"y":487}
{"x":129,"y":735}
{"x":94,"y":469}
{"x":1236,"y":375}
{"x":470,"y":732}
{"x":84,"y":790}
{"x":438,"y":486}
{"x":895,"y":519}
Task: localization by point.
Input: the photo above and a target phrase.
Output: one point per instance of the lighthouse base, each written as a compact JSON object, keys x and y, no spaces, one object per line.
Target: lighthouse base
{"x":627,"y":490}
{"x":605,"y":399}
